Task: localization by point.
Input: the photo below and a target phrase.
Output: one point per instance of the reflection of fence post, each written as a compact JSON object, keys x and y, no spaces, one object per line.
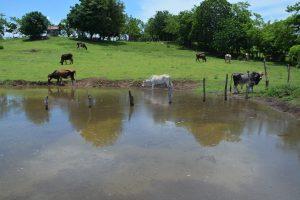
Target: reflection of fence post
{"x":90,"y":101}
{"x":46,"y":103}
{"x":131,"y":100}
{"x":266,"y":74}
{"x":170,"y":94}
{"x":204,"y":94}
{"x":289,"y":73}
{"x":247,"y":91}
{"x":226,"y":82}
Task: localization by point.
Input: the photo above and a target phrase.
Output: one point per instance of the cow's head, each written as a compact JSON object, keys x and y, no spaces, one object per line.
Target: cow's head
{"x":256,"y":77}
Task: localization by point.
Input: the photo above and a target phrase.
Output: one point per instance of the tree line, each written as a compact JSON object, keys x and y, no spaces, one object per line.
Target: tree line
{"x":215,"y":26}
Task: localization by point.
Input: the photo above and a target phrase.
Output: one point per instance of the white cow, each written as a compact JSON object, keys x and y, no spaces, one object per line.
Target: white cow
{"x":157,"y":80}
{"x":227,"y":58}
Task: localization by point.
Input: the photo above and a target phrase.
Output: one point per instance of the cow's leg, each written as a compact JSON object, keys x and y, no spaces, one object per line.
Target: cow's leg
{"x":235,"y":90}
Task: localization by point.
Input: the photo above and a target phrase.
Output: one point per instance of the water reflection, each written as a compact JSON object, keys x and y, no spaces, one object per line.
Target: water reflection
{"x":233,"y":149}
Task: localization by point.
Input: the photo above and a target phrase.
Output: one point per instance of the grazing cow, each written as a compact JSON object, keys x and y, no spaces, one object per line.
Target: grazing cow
{"x":158,"y":79}
{"x":250,"y":79}
{"x":65,"y":57}
{"x":62,"y":73}
{"x":200,"y":55}
{"x":227,"y":58}
{"x":82,"y":45}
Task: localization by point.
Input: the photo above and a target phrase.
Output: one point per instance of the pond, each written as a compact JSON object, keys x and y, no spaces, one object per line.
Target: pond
{"x":104,"y":149}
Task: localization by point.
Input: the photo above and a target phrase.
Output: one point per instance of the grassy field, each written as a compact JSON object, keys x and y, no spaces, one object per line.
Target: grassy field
{"x":34,"y":60}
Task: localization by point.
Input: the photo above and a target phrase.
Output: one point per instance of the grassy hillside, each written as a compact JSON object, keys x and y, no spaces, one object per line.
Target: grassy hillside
{"x":34,"y":60}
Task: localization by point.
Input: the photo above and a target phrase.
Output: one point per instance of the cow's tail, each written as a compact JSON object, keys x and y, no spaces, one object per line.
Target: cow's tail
{"x":230,"y":82}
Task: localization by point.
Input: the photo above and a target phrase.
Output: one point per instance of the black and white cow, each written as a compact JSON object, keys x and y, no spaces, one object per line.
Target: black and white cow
{"x":227,"y":58}
{"x":250,"y":79}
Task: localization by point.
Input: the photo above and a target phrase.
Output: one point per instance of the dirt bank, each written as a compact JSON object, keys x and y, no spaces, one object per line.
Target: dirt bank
{"x":101,"y":83}
{"x":177,"y":84}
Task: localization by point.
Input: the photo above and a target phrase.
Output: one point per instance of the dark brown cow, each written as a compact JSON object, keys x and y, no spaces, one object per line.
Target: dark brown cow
{"x":65,"y":57}
{"x":62,"y":73}
{"x":200,"y":55}
{"x":82,"y":45}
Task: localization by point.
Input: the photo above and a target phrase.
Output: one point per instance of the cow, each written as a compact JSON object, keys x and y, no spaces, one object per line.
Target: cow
{"x":65,"y":57}
{"x":157,"y":80}
{"x":250,"y":79}
{"x":62,"y":73}
{"x":227,"y":58}
{"x":200,"y":55}
{"x":81,"y":45}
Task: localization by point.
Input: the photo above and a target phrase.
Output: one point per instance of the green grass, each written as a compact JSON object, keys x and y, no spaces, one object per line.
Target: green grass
{"x":34,"y":60}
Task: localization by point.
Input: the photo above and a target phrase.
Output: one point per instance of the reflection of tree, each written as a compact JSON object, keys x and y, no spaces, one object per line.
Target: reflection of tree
{"x":35,"y":110}
{"x":211,"y":134}
{"x":100,"y":125}
{"x":210,"y":122}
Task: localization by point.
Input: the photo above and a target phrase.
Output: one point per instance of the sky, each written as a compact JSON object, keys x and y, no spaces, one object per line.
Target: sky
{"x":56,"y":10}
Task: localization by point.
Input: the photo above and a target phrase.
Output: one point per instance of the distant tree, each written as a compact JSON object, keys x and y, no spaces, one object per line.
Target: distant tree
{"x":185,"y":20}
{"x":157,"y":28}
{"x":13,"y":25}
{"x":277,"y":38}
{"x":208,"y":18}
{"x":103,"y":17}
{"x":172,"y":27}
{"x":2,"y":25}
{"x":34,"y":24}
{"x":295,"y":19}
{"x":133,"y":28}
{"x":65,"y":28}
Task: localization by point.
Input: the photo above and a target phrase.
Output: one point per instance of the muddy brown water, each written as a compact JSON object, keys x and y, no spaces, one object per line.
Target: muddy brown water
{"x":187,"y":150}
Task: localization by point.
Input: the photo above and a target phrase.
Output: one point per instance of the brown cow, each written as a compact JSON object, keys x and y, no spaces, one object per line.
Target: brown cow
{"x":81,"y":44}
{"x":62,"y":73}
{"x":200,"y":55}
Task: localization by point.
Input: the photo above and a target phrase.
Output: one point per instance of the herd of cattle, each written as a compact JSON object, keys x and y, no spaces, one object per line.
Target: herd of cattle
{"x":250,"y":79}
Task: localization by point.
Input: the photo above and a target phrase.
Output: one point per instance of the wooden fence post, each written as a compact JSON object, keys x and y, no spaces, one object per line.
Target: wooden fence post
{"x":204,"y":92}
{"x":226,"y":83}
{"x":131,"y":100}
{"x":247,"y":91}
{"x":266,"y":74}
{"x":289,"y":73}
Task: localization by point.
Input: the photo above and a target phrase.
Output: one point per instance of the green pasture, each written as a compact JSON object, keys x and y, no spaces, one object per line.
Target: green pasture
{"x":34,"y":60}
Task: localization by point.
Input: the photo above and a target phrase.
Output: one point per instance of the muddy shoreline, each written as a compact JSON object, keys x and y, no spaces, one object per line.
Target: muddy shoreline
{"x":281,"y":106}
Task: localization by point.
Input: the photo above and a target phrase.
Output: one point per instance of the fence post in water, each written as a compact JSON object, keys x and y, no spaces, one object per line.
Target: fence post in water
{"x":289,"y":73}
{"x":204,"y":93}
{"x":131,"y":100}
{"x":46,"y":103}
{"x":226,"y":83}
{"x":266,"y":74}
{"x":170,"y":94}
{"x":90,"y":101}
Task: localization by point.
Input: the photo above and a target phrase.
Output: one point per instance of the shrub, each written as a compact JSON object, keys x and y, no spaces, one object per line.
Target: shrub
{"x":1,"y":46}
{"x":284,"y":91}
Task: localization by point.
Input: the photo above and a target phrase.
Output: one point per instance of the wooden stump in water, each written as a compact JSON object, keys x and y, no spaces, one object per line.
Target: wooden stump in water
{"x":131,"y":99}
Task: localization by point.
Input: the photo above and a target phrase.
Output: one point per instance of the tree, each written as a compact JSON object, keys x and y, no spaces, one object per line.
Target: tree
{"x":34,"y":24}
{"x":13,"y":25}
{"x":157,"y":26}
{"x":103,"y":17}
{"x":133,"y":28}
{"x":2,"y":25}
{"x":295,"y":19}
{"x":277,"y":38}
{"x":65,"y":27}
{"x":185,"y":20}
{"x":208,"y":17}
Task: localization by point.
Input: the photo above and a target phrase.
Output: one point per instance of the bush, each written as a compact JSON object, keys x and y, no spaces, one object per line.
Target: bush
{"x":1,"y":46}
{"x":286,"y":92}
